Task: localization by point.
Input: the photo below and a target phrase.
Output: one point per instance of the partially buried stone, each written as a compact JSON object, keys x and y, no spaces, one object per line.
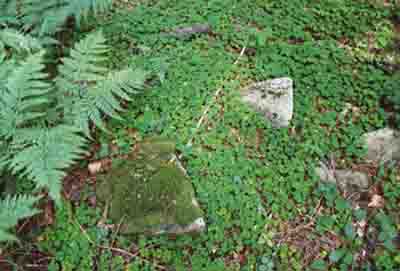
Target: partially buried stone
{"x":347,"y":180}
{"x":383,"y":145}
{"x":147,"y":194}
{"x":273,"y":98}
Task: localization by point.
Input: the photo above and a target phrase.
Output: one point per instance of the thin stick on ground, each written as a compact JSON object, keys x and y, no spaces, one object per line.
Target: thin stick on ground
{"x":119,"y":250}
{"x":310,"y":224}
{"x":205,"y":112}
{"x":216,"y":95}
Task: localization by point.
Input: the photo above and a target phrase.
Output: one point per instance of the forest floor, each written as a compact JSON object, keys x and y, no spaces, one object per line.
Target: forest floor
{"x":265,"y":208}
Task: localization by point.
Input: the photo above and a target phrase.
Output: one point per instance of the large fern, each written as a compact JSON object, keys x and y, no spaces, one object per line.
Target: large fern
{"x":14,"y":46}
{"x":47,"y":17}
{"x":37,"y":153}
{"x":30,"y":145}
{"x":87,"y":90}
{"x":11,"y":210}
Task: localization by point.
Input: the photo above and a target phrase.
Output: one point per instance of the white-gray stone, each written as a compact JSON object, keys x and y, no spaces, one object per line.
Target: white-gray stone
{"x":383,"y":145}
{"x":273,"y":98}
{"x":347,"y":180}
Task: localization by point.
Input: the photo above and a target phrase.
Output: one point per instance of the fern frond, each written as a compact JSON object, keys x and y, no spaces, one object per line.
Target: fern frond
{"x":21,"y":93}
{"x":44,"y":17}
{"x":84,"y":64}
{"x":47,"y":17}
{"x":87,"y":92}
{"x":13,"y":209}
{"x":4,"y":155}
{"x":82,"y":8}
{"x":20,"y":45}
{"x":16,"y":40}
{"x":8,"y":11}
{"x":44,"y":158}
{"x":121,"y":84}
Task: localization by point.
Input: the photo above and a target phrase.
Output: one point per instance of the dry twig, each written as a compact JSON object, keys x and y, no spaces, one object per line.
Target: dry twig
{"x":205,"y":112}
{"x":119,"y":250}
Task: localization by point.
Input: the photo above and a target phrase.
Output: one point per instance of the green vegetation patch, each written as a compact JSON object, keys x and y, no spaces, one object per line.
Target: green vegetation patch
{"x":257,"y":184}
{"x":264,"y":206}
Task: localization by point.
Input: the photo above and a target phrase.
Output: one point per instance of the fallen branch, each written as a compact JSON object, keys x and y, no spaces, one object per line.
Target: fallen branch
{"x":187,"y":32}
{"x":205,"y":112}
{"x":119,"y":250}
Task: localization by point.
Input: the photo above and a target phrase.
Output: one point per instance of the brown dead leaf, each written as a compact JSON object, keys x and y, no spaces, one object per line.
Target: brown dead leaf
{"x":99,"y":166}
{"x":95,"y":167}
{"x":360,"y":227}
{"x":133,"y":133}
{"x":44,"y":218}
{"x":235,"y":132}
{"x":47,"y":217}
{"x":377,"y":201}
{"x":73,"y":184}
{"x":5,"y":264}
{"x":113,"y":147}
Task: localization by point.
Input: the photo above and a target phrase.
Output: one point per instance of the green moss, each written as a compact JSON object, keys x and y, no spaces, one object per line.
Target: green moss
{"x":146,"y":192}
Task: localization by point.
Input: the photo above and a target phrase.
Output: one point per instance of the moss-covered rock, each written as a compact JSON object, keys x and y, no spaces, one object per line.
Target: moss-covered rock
{"x":148,"y":194}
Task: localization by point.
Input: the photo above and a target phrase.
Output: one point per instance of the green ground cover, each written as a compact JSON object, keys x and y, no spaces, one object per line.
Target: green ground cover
{"x":264,"y":206}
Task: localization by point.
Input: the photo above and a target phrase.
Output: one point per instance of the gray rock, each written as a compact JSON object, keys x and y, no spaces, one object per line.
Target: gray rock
{"x":273,"y":98}
{"x":352,"y":179}
{"x":383,"y":145}
{"x":190,"y":31}
{"x":348,"y":181}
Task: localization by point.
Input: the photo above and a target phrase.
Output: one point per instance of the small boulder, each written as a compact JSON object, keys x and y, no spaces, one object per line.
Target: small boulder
{"x":383,"y":145}
{"x":347,"y":181}
{"x":273,"y":98}
{"x":149,"y":194}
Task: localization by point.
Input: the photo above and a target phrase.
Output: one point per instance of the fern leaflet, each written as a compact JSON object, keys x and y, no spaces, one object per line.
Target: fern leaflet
{"x":87,"y":91}
{"x":46,"y":154}
{"x":11,"y":210}
{"x":21,"y":93}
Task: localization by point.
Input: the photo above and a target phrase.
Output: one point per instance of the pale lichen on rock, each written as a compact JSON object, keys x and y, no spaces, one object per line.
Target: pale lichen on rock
{"x":383,"y":145}
{"x":273,"y":98}
{"x":347,"y":180}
